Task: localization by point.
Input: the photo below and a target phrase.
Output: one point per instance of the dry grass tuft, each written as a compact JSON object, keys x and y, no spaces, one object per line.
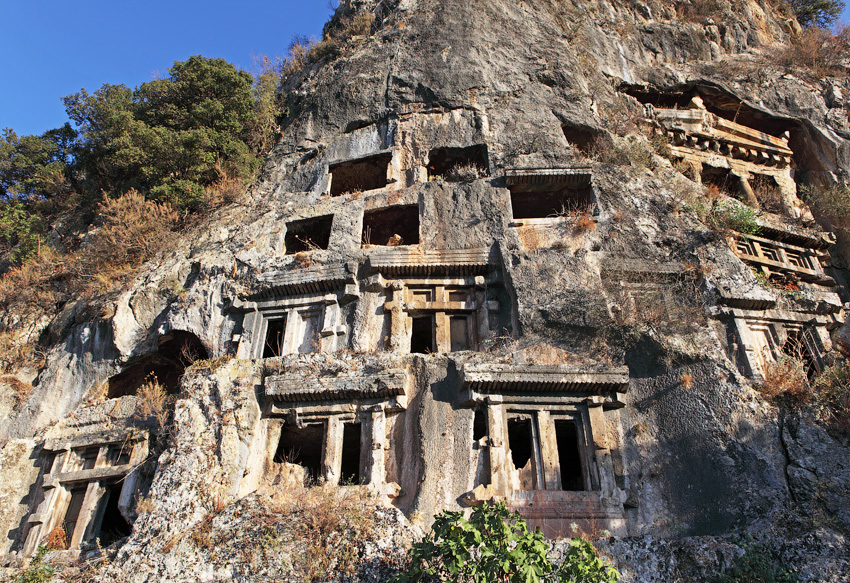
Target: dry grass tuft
{"x":20,"y":389}
{"x":152,"y":401}
{"x":56,"y":539}
{"x":786,"y":380}
{"x":329,"y":523}
{"x":584,"y":223}
{"x":818,"y":52}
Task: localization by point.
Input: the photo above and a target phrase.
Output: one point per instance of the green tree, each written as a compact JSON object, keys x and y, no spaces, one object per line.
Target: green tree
{"x":496,"y":546}
{"x":820,"y":13}
{"x":21,"y":230}
{"x":35,"y":166}
{"x":170,"y":137}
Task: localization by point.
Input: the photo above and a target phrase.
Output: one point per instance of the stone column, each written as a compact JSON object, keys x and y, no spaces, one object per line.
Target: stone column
{"x":550,"y":461}
{"x":497,"y":441}
{"x":332,"y":458}
{"x":599,"y":446}
{"x":376,"y":471}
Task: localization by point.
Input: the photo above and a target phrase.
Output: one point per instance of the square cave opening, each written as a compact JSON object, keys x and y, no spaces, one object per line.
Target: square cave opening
{"x":422,"y":336}
{"x":541,"y":201}
{"x":391,"y":226}
{"x":720,"y":179}
{"x":302,"y":446}
{"x":582,"y":138}
{"x":359,"y":175}
{"x":308,"y":234}
{"x":458,"y":164}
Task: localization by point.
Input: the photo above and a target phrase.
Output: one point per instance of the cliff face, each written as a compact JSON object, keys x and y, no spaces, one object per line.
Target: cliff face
{"x":466,"y":273}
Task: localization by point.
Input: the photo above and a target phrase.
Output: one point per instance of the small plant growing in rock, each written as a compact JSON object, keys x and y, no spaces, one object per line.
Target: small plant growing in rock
{"x":38,"y":570}
{"x":730,"y":215}
{"x":755,"y":566}
{"x":464,"y":172}
{"x":152,"y":402}
{"x":496,"y":546}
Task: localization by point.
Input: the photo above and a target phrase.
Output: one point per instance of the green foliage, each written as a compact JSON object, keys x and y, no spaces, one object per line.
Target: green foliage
{"x":21,"y":230}
{"x":166,"y":137}
{"x":582,"y":565}
{"x":495,"y":545}
{"x":38,"y":571}
{"x":756,"y":566}
{"x":732,"y":215}
{"x":34,"y":166}
{"x":819,"y":13}
{"x":832,"y":203}
{"x":267,"y":106}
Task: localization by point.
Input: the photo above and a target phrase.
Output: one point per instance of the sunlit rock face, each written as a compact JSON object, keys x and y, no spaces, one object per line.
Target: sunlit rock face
{"x":483,"y":262}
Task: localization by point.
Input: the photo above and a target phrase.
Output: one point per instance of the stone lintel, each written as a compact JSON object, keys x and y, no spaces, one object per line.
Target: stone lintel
{"x":303,"y":281}
{"x":784,"y":317}
{"x":105,"y":473}
{"x":300,"y":387}
{"x":539,"y":378}
{"x":636,"y":268}
{"x":399,"y":262}
{"x":777,"y":228}
{"x":93,"y":439}
{"x":575,"y":177}
{"x":706,"y":125}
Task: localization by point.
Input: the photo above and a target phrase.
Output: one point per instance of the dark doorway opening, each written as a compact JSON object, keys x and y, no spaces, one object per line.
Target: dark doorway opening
{"x":359,"y":175}
{"x":532,"y":202}
{"x":350,"y":467}
{"x":458,"y":164}
{"x":391,"y":226}
{"x":422,"y":336}
{"x":113,"y":525}
{"x":302,"y":446}
{"x":767,"y":192}
{"x":72,"y":514}
{"x":720,"y":179}
{"x":581,"y":138}
{"x":479,"y":425}
{"x":520,"y":441}
{"x":275,"y":330}
{"x":566,"y":435}
{"x":175,"y":351}
{"x":308,"y":234}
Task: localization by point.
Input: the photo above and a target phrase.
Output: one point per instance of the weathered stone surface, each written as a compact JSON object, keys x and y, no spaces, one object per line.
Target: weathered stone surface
{"x":630,"y":322}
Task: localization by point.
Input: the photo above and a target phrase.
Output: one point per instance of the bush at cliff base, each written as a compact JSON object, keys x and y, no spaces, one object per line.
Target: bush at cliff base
{"x":496,"y":546}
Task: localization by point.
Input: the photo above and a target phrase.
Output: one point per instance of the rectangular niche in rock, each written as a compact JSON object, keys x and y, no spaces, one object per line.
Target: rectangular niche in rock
{"x":308,"y":234}
{"x":551,"y":441}
{"x":351,"y":453}
{"x":550,"y":193}
{"x":458,"y":164}
{"x":359,"y":175}
{"x":581,"y":138}
{"x":302,"y":446}
{"x":297,"y":326}
{"x":335,"y":425}
{"x":391,"y":226}
{"x":87,"y":488}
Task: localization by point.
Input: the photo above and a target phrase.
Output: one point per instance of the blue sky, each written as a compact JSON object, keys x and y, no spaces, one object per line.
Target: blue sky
{"x":52,"y":48}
